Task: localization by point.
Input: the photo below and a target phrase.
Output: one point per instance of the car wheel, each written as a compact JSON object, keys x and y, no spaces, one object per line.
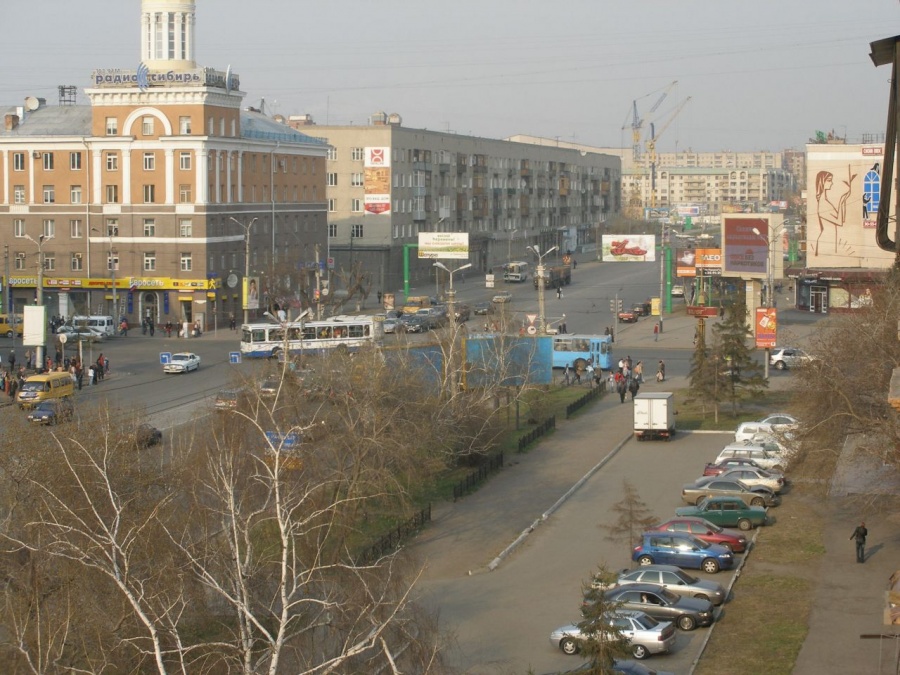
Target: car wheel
{"x":9,"y":333}
{"x":568,"y":646}
{"x":780,"y":365}
{"x":745,"y":524}
{"x":686,"y":622}
{"x":757,"y":501}
{"x":702,"y":596}
{"x":639,"y":652}
{"x":645,"y":560}
{"x":710,"y":566}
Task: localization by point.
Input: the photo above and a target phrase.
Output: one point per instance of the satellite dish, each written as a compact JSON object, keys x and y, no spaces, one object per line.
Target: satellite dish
{"x":32,"y":103}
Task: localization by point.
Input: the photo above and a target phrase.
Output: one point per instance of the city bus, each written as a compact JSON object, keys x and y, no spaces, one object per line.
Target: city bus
{"x":576,"y":350}
{"x":269,"y":340}
{"x":516,"y":272}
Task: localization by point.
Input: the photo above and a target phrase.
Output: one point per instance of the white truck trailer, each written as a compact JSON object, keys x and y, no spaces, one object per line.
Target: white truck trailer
{"x":654,"y":415}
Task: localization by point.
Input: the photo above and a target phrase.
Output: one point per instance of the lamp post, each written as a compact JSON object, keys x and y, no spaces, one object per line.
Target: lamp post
{"x":247,"y":229}
{"x":662,"y":276}
{"x":111,"y":265}
{"x":769,"y":286}
{"x":39,"y":242}
{"x":512,"y":233}
{"x":542,"y":322}
{"x":451,"y":309}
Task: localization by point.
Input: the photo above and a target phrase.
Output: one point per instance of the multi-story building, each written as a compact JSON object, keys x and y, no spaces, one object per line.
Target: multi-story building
{"x":386,"y":183}
{"x":160,"y":197}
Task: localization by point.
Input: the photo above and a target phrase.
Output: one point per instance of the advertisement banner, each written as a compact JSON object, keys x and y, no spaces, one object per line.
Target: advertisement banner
{"x":709,"y":262}
{"x":444,"y":245}
{"x":251,"y":293}
{"x":746,"y":253}
{"x":685,"y":262}
{"x":766,"y":327}
{"x":377,"y":181}
{"x":628,"y":247}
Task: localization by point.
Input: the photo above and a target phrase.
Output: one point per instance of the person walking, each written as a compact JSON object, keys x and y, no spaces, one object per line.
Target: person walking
{"x":12,"y":360}
{"x":656,"y":332}
{"x":860,"y":534}
{"x":559,"y":292}
{"x":622,"y":387}
{"x":633,"y":387}
{"x":567,"y":376}
{"x":661,"y":371}
{"x":232,"y":323}
{"x":638,"y":373}
{"x":27,"y":359}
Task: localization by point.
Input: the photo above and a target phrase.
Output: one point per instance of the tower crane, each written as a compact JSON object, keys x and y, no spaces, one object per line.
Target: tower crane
{"x":651,"y":147}
{"x":637,"y":122}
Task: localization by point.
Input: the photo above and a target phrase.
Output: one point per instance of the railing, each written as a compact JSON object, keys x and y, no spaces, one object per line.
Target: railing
{"x":393,"y":539}
{"x":575,"y":406}
{"x":544,"y":427}
{"x":463,"y":487}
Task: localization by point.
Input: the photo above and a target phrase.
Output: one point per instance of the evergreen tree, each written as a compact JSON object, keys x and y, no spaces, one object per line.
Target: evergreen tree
{"x":605,"y":642}
{"x":743,"y":377}
{"x":703,"y":385}
{"x":634,"y":517}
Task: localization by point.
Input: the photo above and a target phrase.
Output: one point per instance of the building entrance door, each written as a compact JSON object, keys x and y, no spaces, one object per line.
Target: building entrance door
{"x":818,"y":299}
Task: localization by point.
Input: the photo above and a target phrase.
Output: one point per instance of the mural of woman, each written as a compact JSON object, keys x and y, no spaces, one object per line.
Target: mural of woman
{"x":829,"y":211}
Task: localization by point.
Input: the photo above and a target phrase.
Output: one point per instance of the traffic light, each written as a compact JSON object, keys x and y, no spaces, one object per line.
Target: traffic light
{"x":615,"y":305}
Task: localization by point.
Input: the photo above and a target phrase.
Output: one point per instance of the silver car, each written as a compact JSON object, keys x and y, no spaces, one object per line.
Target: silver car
{"x":674,"y":579}
{"x":750,"y":476}
{"x":645,"y":634}
{"x":783,"y":358}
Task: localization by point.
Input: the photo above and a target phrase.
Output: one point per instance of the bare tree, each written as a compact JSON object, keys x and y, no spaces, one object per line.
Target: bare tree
{"x":634,"y":518}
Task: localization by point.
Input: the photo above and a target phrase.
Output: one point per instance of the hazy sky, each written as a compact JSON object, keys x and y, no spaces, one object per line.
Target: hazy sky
{"x":762,"y":75}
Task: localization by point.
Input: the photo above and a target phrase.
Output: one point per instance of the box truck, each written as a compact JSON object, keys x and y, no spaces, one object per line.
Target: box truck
{"x":654,"y":415}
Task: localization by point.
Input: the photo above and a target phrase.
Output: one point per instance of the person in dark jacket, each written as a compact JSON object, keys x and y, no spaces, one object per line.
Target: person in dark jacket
{"x":860,"y":534}
{"x":622,"y":388}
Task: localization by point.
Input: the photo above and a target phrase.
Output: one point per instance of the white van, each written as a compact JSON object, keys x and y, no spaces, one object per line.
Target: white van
{"x":101,"y":324}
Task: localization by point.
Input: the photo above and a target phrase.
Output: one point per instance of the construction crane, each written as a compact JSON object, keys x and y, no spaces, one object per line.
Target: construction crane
{"x":651,"y":147}
{"x":637,"y":122}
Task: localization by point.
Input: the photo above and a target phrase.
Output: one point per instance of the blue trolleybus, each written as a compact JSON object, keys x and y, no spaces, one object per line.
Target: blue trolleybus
{"x":577,"y":350}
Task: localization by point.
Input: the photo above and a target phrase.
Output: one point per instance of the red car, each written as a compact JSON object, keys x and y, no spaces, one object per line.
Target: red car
{"x":706,"y":531}
{"x":729,"y":464}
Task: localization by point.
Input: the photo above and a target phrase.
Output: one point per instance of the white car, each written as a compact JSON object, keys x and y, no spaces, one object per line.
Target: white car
{"x":757,"y":453}
{"x":677,"y":291}
{"x":747,"y":430}
{"x":501,"y":297}
{"x":182,"y":362}
{"x":781,"y":421}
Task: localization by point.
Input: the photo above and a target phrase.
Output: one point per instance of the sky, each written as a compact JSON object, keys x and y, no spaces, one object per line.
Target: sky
{"x":762,"y":75}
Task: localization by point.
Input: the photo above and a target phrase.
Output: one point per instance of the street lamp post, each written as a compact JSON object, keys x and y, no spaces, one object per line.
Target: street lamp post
{"x":451,"y":310}
{"x":512,"y":233}
{"x":769,"y":285}
{"x":542,"y":321}
{"x":39,"y":242}
{"x":247,"y":229}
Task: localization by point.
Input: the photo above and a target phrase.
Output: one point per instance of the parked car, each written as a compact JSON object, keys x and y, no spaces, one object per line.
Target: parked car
{"x":683,"y":550}
{"x":52,"y":411}
{"x":781,"y":422}
{"x":78,"y":333}
{"x":751,"y":477}
{"x":716,"y":486}
{"x":619,"y":667}
{"x":718,"y":468}
{"x":415,"y":323}
{"x":757,"y":453}
{"x":726,"y":512}
{"x":645,"y":634}
{"x":182,"y":362}
{"x":675,"y":579}
{"x":483,"y":307}
{"x":747,"y":430}
{"x":678,"y":291}
{"x":783,"y":358}
{"x":228,"y":399}
{"x":390,"y":325}
{"x":663,"y":605}
{"x":642,"y":308}
{"x":463,"y":312}
{"x":706,"y":531}
{"x":269,"y":387}
{"x":501,"y":297}
{"x":146,"y":435}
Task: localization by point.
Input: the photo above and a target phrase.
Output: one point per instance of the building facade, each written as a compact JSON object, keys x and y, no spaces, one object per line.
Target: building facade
{"x":162,"y":195}
{"x":386,"y":183}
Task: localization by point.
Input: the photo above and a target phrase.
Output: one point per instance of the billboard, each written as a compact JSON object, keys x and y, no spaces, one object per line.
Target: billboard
{"x":709,"y":261}
{"x":628,"y":247}
{"x":251,"y":293}
{"x":377,"y":181}
{"x":745,"y":252}
{"x":766,"y":327}
{"x":685,"y":262}
{"x":444,"y":245}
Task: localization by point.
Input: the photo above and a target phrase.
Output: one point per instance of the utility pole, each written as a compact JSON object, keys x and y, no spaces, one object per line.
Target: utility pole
{"x":247,"y":228}
{"x":318,"y":286}
{"x":542,"y":320}
{"x":451,"y":310}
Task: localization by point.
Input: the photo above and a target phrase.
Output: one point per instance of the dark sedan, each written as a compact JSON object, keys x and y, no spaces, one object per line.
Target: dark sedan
{"x":53,"y":411}
{"x":713,"y":469}
{"x":663,"y":605}
{"x":146,"y":435}
{"x":484,"y":307}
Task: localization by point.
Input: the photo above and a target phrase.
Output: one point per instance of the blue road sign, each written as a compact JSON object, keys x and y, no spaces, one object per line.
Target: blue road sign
{"x":285,"y":441}
{"x":165,"y":358}
{"x":234,"y":357}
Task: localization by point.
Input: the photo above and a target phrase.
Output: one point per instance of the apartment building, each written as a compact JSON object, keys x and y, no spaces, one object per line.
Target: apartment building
{"x":160,"y":197}
{"x":386,"y":183}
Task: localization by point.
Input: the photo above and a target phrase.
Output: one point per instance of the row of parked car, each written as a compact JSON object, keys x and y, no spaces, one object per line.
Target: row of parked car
{"x":425,"y":319}
{"x":657,"y":597}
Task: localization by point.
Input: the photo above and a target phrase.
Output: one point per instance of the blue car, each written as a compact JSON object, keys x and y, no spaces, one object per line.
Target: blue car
{"x":683,"y":550}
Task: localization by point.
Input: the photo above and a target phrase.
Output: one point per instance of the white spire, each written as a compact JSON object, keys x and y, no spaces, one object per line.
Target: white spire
{"x":167,"y":34}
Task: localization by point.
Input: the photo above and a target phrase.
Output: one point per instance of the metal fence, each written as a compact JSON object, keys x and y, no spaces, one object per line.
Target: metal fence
{"x":544,"y":427}
{"x":393,"y":539}
{"x":577,"y":405}
{"x":463,"y":487}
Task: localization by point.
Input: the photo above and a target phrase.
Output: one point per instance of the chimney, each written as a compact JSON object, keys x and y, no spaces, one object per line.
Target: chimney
{"x":11,"y":122}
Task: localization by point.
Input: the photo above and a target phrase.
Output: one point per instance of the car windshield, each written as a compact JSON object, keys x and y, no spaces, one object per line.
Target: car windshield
{"x":668,"y":596}
{"x":180,"y":357}
{"x":697,"y":542}
{"x":646,"y":621}
{"x":743,"y":485}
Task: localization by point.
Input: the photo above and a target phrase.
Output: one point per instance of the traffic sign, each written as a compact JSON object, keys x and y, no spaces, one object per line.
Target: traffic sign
{"x":165,"y":358}
{"x":531,"y":317}
{"x":531,"y":330}
{"x":284,"y":441}
{"x":234,"y":357}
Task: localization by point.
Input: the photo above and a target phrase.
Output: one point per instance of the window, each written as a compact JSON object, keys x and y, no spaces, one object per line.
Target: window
{"x":356,"y":180}
{"x":20,"y":261}
{"x":112,"y":227}
{"x":75,"y":194}
{"x":49,"y":228}
{"x":18,"y":161}
{"x":149,"y":161}
{"x":149,"y":227}
{"x":356,"y":231}
{"x":332,"y":230}
{"x":150,"y":261}
{"x":49,"y":194}
{"x":112,"y":126}
{"x":149,"y":194}
{"x":18,"y":227}
{"x":185,"y":194}
{"x":75,"y":263}
{"x":332,"y":179}
{"x":75,"y":229}
{"x":75,"y":161}
{"x":356,"y":205}
{"x":356,"y":153}
{"x":187,"y":264}
{"x":184,"y":125}
{"x":19,"y":194}
{"x":49,"y":262}
{"x":112,"y":261}
{"x":112,"y":194}
{"x":185,"y":227}
{"x":332,"y":154}
{"x":331,"y":205}
{"x":184,"y":161}
{"x":48,"y":161}
{"x":147,"y":126}
{"x":112,"y":161}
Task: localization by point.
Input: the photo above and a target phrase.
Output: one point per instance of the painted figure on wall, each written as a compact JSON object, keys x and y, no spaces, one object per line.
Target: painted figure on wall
{"x":831,"y":209}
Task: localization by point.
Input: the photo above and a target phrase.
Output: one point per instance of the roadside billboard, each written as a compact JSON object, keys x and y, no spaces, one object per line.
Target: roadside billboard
{"x":685,"y":262}
{"x":709,"y":262}
{"x":745,"y":252}
{"x":444,"y":245}
{"x":377,"y":181}
{"x":628,"y":247}
{"x":766,"y":327}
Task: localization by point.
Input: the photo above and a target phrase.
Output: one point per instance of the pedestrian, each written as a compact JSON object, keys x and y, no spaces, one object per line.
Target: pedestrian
{"x":79,"y":375}
{"x":567,"y":375}
{"x":633,"y":387}
{"x":661,"y":371}
{"x":379,"y":297}
{"x":639,"y":372}
{"x":860,"y":534}
{"x":563,"y":329}
{"x":559,"y":292}
{"x":12,"y":360}
{"x":105,"y":365}
{"x":577,"y":373}
{"x":13,"y":385}
{"x":622,"y":388}
{"x":656,"y":332}
{"x":621,"y":365}
{"x":233,"y":324}
{"x":152,"y":327}
{"x":92,"y":376}
{"x":574,"y":264}
{"x":28,"y":359}
{"x":100,"y":368}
